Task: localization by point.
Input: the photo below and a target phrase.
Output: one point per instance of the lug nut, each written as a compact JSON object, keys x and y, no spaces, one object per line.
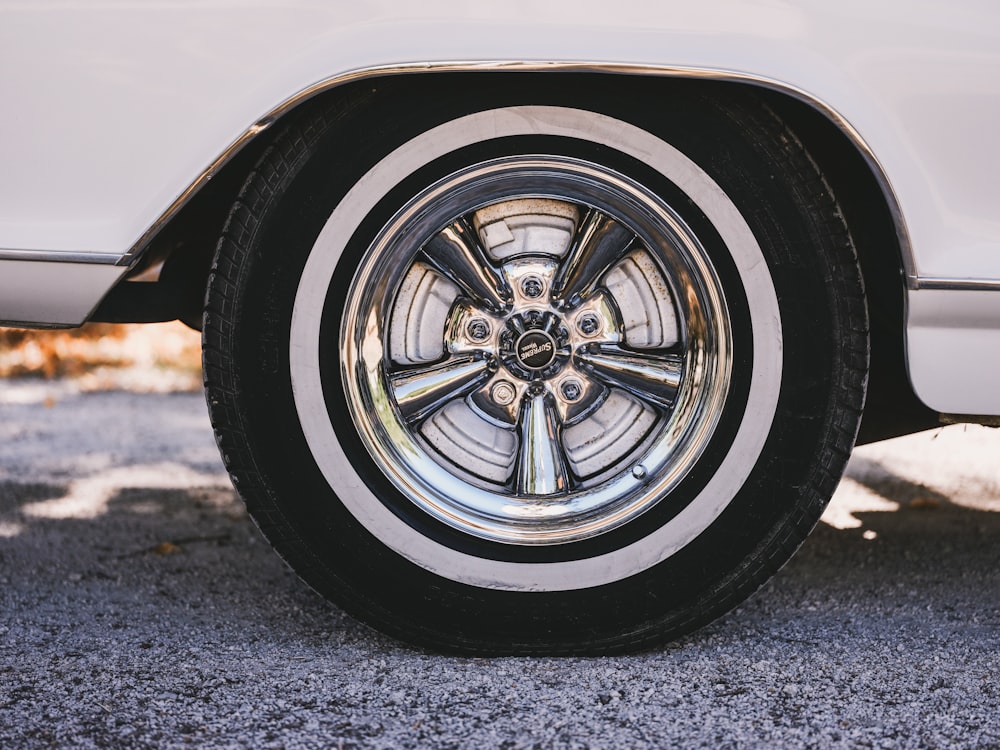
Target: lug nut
{"x":571,"y":390}
{"x":478,"y":329}
{"x":503,"y":393}
{"x":532,"y":287}
{"x":588,"y":324}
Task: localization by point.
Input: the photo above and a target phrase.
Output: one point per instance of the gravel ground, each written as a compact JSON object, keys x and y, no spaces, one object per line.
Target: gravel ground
{"x":140,"y":608}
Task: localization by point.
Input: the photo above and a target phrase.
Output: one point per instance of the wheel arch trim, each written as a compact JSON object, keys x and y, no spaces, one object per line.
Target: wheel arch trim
{"x":132,"y":256}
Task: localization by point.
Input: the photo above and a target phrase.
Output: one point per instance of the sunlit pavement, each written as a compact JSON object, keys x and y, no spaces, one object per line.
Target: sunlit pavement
{"x":141,"y":608}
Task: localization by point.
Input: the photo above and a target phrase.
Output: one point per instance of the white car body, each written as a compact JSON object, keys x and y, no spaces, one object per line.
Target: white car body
{"x":115,"y":113}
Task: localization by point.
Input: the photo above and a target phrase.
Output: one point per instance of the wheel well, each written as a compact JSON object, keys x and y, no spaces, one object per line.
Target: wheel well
{"x":892,"y":408}
{"x":177,"y":260}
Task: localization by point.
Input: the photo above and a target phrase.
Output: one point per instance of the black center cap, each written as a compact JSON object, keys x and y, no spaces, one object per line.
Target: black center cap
{"x":535,"y":350}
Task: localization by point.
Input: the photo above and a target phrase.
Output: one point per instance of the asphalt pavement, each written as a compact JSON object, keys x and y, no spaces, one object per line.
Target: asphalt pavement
{"x":139,"y":607}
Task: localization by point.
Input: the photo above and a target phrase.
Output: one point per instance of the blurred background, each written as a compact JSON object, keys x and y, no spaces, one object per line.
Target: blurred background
{"x":158,"y":357}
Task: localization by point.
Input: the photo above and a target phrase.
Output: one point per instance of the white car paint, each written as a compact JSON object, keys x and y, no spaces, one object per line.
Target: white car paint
{"x":113,"y":109}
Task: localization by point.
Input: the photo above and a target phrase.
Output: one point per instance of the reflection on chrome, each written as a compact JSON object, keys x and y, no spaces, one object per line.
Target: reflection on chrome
{"x":541,"y":469}
{"x":420,"y":391}
{"x":651,"y":377}
{"x":457,"y":254}
{"x":540,"y":327}
{"x":600,"y":242}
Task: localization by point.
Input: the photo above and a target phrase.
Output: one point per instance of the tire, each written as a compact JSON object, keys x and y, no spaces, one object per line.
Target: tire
{"x":525,"y":372}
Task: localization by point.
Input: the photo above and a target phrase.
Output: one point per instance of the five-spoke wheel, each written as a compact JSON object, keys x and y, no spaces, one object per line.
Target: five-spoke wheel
{"x":548,"y":367}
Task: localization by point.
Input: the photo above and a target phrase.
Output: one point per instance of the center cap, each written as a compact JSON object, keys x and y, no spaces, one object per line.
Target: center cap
{"x":535,"y":350}
{"x":534,"y":345}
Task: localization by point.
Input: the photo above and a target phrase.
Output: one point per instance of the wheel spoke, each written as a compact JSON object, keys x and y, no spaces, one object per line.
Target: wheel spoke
{"x":455,"y":252}
{"x":600,"y":242}
{"x":421,"y":391}
{"x":652,"y":377}
{"x":541,"y":468}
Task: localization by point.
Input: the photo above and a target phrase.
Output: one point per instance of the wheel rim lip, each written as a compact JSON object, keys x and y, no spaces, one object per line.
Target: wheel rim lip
{"x":506,"y":517}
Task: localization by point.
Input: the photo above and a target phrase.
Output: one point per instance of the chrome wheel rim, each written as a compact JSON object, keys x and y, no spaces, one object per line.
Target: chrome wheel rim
{"x":536,"y":350}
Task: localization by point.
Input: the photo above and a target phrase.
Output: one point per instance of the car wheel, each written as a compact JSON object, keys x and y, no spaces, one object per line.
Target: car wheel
{"x":509,"y":374}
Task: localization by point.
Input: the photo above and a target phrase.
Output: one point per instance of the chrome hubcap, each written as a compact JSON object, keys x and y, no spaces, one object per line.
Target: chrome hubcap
{"x":536,"y":350}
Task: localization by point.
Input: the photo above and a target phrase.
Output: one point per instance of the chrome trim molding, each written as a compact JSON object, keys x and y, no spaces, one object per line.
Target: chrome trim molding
{"x":965,"y":285}
{"x":129,"y":258}
{"x":54,"y":256}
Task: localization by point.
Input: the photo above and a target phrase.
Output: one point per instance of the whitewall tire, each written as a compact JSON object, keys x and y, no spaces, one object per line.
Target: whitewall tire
{"x":531,"y":373}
